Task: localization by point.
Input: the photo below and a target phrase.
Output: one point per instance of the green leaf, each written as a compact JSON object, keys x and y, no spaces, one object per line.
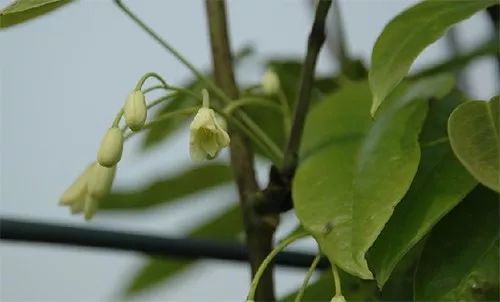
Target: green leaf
{"x":475,"y":138}
{"x":439,"y":185}
{"x":169,"y":189}
{"x":407,"y":35}
{"x":158,"y":270}
{"x":24,"y":10}
{"x":354,"y":170}
{"x":456,"y":249}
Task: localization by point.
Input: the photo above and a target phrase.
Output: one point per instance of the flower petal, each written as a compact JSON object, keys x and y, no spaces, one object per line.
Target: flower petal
{"x":78,"y":189}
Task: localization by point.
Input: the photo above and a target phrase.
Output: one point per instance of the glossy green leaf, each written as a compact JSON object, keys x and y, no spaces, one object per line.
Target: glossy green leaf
{"x":354,"y":170}
{"x":475,"y":138}
{"x":158,"y":270}
{"x":439,"y":185}
{"x":456,"y":249}
{"x":23,"y":10}
{"x":407,"y":35}
{"x":169,"y":189}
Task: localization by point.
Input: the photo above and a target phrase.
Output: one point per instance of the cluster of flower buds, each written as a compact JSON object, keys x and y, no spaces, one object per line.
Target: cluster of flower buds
{"x":208,"y":137}
{"x":207,"y":133}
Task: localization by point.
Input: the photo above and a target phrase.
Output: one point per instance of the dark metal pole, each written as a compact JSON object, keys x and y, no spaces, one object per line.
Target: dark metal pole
{"x":187,"y":248}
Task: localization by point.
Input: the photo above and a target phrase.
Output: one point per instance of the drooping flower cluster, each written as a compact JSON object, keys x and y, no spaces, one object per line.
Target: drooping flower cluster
{"x":94,"y":184}
{"x":208,"y":137}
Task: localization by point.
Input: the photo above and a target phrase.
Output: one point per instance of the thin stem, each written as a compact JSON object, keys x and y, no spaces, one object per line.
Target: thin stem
{"x":158,"y":39}
{"x":159,"y":101}
{"x":206,"y":98}
{"x":339,"y":44}
{"x":211,"y":85}
{"x":308,"y":276}
{"x":250,"y":101}
{"x":185,"y":91}
{"x":314,"y":44}
{"x":150,"y":75}
{"x":164,"y":117}
{"x":336,"y":280}
{"x":287,"y":112}
{"x":118,"y":117}
{"x":262,"y":268}
{"x":155,"y":87}
{"x":252,"y":136}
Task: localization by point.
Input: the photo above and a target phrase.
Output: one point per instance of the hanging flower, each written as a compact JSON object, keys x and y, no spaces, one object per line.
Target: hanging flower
{"x":135,"y":110}
{"x":208,"y":132}
{"x":270,"y":82}
{"x":88,"y":190}
{"x":208,"y":136}
{"x":111,"y":149}
{"x":75,"y":195}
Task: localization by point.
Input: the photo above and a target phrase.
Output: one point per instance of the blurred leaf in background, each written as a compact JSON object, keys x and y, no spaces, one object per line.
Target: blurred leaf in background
{"x":169,"y":189}
{"x":157,"y":270}
{"x":23,"y":10}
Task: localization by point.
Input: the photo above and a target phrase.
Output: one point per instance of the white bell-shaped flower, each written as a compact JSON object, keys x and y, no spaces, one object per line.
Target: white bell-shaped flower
{"x":88,"y":190}
{"x":75,"y":194}
{"x":208,"y":135}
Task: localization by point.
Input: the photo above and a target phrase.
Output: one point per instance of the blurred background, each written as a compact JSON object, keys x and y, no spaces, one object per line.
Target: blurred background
{"x":64,"y":76}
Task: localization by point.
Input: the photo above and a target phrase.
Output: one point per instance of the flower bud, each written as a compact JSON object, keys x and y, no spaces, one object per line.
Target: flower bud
{"x":270,"y":82}
{"x":208,"y":136}
{"x":338,"y":299}
{"x":135,"y":110}
{"x":77,"y":190}
{"x":111,"y":148}
{"x":100,"y":181}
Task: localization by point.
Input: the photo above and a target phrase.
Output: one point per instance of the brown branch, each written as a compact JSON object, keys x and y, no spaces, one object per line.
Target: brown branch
{"x":259,"y":229}
{"x":277,"y":195}
{"x":314,"y":44}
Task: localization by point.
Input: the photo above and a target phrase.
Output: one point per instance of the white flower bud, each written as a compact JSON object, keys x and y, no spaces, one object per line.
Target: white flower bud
{"x":111,"y":148}
{"x":338,"y":299}
{"x":100,"y":181}
{"x":270,"y":82}
{"x":77,"y":190}
{"x":135,"y":110}
{"x":208,"y":136}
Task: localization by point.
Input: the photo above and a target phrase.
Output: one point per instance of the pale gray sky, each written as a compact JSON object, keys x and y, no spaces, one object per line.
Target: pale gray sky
{"x":62,"y":79}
